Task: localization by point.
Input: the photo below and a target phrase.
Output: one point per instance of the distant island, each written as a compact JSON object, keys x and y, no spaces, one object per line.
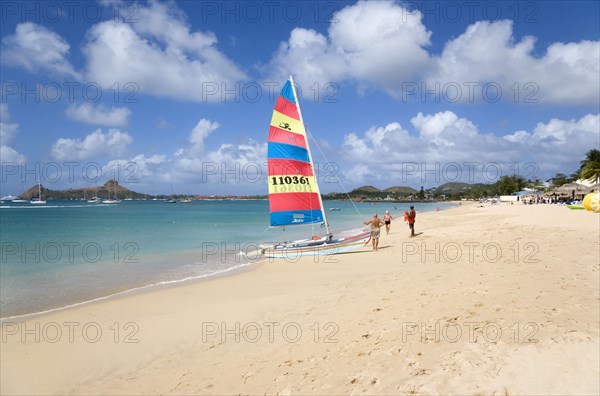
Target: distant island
{"x":112,"y":189}
{"x":447,"y":191}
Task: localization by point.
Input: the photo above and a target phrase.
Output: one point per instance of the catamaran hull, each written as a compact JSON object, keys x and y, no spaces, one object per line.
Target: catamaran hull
{"x":294,"y":250}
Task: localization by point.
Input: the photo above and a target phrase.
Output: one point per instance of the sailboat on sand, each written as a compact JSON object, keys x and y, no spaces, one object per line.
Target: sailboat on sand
{"x":294,"y":197}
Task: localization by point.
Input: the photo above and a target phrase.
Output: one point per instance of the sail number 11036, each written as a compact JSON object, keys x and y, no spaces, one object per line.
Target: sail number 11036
{"x":282,"y":180}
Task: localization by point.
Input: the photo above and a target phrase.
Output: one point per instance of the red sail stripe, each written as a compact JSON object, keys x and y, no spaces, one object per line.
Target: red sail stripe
{"x":286,"y":107}
{"x":294,"y":201}
{"x":287,"y":167}
{"x":278,"y":135}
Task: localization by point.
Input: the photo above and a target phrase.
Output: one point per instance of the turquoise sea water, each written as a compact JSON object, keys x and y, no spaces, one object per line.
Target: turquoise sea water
{"x":67,"y":252}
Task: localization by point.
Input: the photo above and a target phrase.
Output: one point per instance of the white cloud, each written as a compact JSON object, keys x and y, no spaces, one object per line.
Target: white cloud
{"x":377,"y":42}
{"x":568,"y":73}
{"x":159,"y":54}
{"x":37,"y":49}
{"x":8,"y":132}
{"x":383,"y":45}
{"x":444,"y":128}
{"x":242,"y":164}
{"x":99,"y":115}
{"x":559,"y":132}
{"x":140,"y":169}
{"x":517,"y":137}
{"x":377,"y":142}
{"x":391,"y":155}
{"x":98,"y":143}
{"x":154,"y":52}
{"x":10,"y":155}
{"x":200,"y":132}
{"x":557,"y":142}
{"x":196,"y":162}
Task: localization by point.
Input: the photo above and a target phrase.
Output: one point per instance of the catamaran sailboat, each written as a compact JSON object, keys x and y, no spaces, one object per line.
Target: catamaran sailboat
{"x":294,"y":197}
{"x":39,"y":200}
{"x":110,"y":200}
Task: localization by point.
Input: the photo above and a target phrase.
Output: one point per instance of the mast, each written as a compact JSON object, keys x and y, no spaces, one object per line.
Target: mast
{"x":312,"y":166}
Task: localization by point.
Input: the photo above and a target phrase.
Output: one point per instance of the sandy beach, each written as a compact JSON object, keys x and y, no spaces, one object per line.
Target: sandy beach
{"x":485,"y":300}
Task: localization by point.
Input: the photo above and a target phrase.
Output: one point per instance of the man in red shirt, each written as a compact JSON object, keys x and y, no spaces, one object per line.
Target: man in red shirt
{"x":411,"y":217}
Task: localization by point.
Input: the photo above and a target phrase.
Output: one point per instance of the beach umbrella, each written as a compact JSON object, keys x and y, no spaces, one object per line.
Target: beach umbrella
{"x":594,"y":187}
{"x":571,"y":189}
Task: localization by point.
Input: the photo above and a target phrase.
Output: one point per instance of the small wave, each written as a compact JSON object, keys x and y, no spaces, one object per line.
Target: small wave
{"x":124,"y":292}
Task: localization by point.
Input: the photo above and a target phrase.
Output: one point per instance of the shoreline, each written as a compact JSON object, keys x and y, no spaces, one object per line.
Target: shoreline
{"x":237,"y":266}
{"x":346,"y":324}
{"x":232,"y":271}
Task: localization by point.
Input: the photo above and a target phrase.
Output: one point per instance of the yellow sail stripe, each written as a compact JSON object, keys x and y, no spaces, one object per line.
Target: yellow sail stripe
{"x":292,"y":184}
{"x":282,"y":121}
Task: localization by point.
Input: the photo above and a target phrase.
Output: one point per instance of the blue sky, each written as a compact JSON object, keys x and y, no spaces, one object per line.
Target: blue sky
{"x":393,"y":93}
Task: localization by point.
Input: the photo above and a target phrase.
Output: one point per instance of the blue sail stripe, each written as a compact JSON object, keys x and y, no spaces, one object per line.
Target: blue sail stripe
{"x":287,"y":151}
{"x":296,"y":217}
{"x":287,"y":92}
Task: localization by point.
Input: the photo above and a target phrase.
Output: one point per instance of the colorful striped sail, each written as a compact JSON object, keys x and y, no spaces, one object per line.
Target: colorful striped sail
{"x":294,"y":196}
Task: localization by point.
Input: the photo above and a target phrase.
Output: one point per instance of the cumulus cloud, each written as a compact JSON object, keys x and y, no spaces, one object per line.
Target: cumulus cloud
{"x":159,"y":54}
{"x":196,"y":161}
{"x":37,"y":49}
{"x":385,"y":46}
{"x":443,"y":140}
{"x":8,"y":132}
{"x":139,"y":169}
{"x":99,"y":114}
{"x":377,"y":42}
{"x":155,"y":53}
{"x":10,"y":155}
{"x":112,"y":142}
{"x":242,"y":164}
{"x":568,"y":73}
{"x":557,"y":142}
{"x":200,"y":132}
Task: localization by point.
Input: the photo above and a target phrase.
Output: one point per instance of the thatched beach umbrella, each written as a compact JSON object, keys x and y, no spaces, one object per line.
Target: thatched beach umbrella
{"x":594,"y":187}
{"x":571,"y":189}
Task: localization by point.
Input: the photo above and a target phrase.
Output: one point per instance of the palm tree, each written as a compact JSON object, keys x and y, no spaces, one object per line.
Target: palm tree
{"x":590,"y":166}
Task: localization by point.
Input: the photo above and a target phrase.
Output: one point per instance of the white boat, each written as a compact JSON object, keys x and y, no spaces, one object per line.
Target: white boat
{"x":294,"y":196}
{"x":110,"y":200}
{"x":95,"y":200}
{"x":185,"y":200}
{"x":19,"y":199}
{"x":8,"y":198}
{"x":38,"y":200}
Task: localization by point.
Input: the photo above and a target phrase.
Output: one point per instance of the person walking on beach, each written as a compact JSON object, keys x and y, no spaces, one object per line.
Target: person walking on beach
{"x":375,"y":224}
{"x":410,"y":216}
{"x":387,"y":219}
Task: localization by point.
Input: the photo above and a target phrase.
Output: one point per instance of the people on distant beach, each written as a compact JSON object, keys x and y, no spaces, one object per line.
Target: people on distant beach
{"x":375,"y":224}
{"x":387,"y":219}
{"x":410,"y":216}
